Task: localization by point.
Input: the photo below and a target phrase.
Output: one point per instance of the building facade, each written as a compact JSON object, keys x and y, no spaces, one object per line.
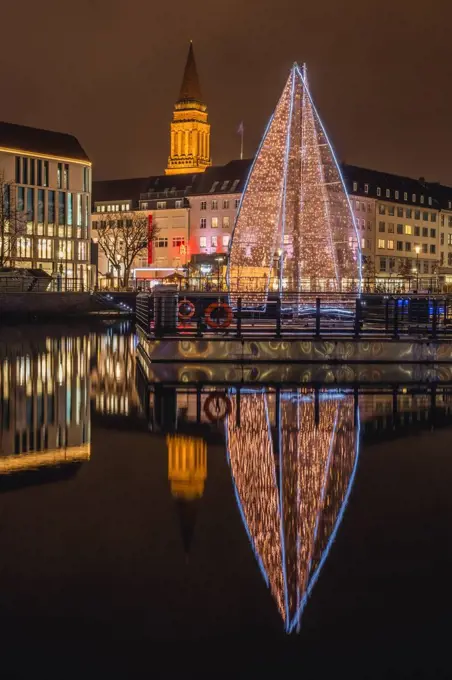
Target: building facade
{"x":47,"y":178}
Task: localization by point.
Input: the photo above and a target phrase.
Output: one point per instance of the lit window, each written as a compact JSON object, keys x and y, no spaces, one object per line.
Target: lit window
{"x":203,"y":242}
{"x":123,"y":206}
{"x":226,"y":204}
{"x":381,"y":243}
{"x":102,"y":208}
{"x":214,"y":222}
{"x":179,"y":204}
{"x":127,"y":206}
{"x":429,"y":200}
{"x":396,"y":195}
{"x":363,"y":243}
{"x":366,"y":188}
{"x":161,"y":205}
{"x":226,"y":238}
{"x":405,"y":196}
{"x":214,"y":205}
{"x":388,"y":193}
{"x":408,"y":229}
{"x":214,"y":241}
{"x":382,"y":209}
{"x":390,"y":245}
{"x":378,"y":191}
{"x":98,"y":208}
{"x":355,"y":186}
{"x":225,"y":221}
{"x":450,"y":205}
{"x":413,"y":198}
{"x":203,"y":223}
{"x":422,"y":198}
{"x":108,"y":208}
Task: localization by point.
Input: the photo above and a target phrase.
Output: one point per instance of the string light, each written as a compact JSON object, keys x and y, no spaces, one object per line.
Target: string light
{"x":295,"y":229}
{"x":291,"y":499}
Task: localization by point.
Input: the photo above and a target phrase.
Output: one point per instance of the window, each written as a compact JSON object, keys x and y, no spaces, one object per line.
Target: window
{"x":449,"y":221}
{"x":368,"y":207}
{"x":432,"y":217}
{"x":65,"y":250}
{"x":214,"y":223}
{"x":449,"y":259}
{"x":39,"y":164}
{"x":129,"y":223}
{"x":382,"y":209}
{"x":378,"y":191}
{"x":226,"y":239}
{"x":203,"y":223}
{"x":424,"y":248}
{"x":45,"y":248}
{"x":40,"y":206}
{"x":32,"y":171}
{"x":449,"y":239}
{"x":215,"y":205}
{"x":79,"y":210}
{"x":381,"y":243}
{"x":422,"y":198}
{"x":203,"y":242}
{"x":382,"y":264}
{"x":161,"y":205}
{"x":400,"y":228}
{"x":61,"y":208}
{"x":413,"y":198}
{"x":396,"y":194}
{"x":237,"y":203}
{"x":409,"y":213}
{"x":69,"y":208}
{"x":357,"y":206}
{"x":366,"y":188}
{"x":23,"y":246}
{"x":17,"y":169}
{"x":405,"y":196}
{"x":417,"y":231}
{"x":45,"y":178}
{"x":441,"y":259}
{"x":355,"y":186}
{"x":426,"y":267}
{"x":224,"y":186}
{"x":59,"y":174}
{"x":390,"y":245}
{"x":432,"y":233}
{"x":391,"y":228}
{"x":66,"y":176}
{"x":226,"y":204}
{"x":225,"y":221}
{"x":369,"y":225}
{"x":429,"y":200}
{"x":144,"y":205}
{"x":417,"y":214}
{"x":203,"y":205}
{"x":51,"y":207}
{"x":82,"y":250}
{"x":399,"y":245}
{"x":25,"y":170}
{"x":399,"y":212}
{"x":442,"y":220}
{"x":425,"y":216}
{"x":363,"y":207}
{"x":388,"y":193}
{"x":214,"y":241}
{"x":408,"y":229}
{"x":363,"y":243}
{"x":178,"y":241}
{"x":442,"y":239}
{"x":432,"y":250}
{"x":424,"y":232}
{"x":179,"y":204}
{"x":127,"y":206}
{"x":234,"y":186}
{"x":381,"y":226}
{"x":102,"y":208}
{"x":20,"y":199}
{"x":450,"y":205}
{"x":161,"y":242}
{"x":213,"y":187}
{"x":408,"y":246}
{"x":30,"y":205}
{"x":391,"y":210}
{"x":363,"y":224}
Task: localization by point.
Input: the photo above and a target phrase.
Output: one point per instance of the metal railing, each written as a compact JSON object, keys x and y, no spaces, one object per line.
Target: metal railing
{"x":41,"y":284}
{"x":298,"y":315}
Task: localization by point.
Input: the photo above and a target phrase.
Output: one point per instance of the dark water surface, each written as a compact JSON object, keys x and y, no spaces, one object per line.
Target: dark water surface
{"x":293,"y":537}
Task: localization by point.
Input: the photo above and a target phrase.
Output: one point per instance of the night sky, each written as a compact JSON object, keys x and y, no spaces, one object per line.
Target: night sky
{"x":109,"y":72}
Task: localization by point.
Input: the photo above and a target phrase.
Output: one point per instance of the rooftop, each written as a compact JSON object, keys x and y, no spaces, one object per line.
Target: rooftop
{"x":37,"y":141}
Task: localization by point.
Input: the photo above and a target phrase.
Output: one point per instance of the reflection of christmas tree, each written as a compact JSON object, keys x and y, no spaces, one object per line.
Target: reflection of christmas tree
{"x":291,"y":500}
{"x":295,"y":229}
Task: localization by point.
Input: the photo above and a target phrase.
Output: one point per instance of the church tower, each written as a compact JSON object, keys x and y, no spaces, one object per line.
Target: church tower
{"x":190,"y":131}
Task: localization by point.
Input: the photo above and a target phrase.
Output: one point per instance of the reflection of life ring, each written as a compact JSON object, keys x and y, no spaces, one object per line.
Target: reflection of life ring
{"x":185,"y":316}
{"x":221,"y":322}
{"x":217,"y":406}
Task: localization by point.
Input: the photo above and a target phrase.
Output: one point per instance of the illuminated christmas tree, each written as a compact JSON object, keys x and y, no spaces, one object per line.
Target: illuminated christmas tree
{"x":295,"y":229}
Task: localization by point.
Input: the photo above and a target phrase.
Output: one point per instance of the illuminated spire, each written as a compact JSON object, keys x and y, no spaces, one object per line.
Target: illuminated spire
{"x":295,"y":229}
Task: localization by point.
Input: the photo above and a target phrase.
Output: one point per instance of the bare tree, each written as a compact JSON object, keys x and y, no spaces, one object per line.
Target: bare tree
{"x":122,"y":237}
{"x":13,"y":222}
{"x":405,"y":267}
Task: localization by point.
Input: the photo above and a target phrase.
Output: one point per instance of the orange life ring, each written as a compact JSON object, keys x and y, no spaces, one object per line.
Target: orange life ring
{"x":189,"y":315}
{"x":221,"y":323}
{"x":217,"y":400}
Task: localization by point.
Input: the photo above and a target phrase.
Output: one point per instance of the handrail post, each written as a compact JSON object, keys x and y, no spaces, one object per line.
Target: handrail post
{"x":278,"y":316}
{"x":317,"y":317}
{"x":239,"y":317}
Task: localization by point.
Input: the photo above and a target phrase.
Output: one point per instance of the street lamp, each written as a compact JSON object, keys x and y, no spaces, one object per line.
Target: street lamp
{"x":417,"y":250}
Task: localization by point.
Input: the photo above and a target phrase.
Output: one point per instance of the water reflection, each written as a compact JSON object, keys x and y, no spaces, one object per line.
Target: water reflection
{"x":44,"y":404}
{"x":292,"y":484}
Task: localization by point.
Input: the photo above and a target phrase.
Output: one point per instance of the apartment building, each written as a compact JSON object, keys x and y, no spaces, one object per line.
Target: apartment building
{"x":46,"y":178}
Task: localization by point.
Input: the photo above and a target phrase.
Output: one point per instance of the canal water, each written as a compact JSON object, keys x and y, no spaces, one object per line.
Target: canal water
{"x":164,"y":530}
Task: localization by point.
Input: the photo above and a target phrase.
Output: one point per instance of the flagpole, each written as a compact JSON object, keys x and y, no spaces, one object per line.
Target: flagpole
{"x":241,"y":130}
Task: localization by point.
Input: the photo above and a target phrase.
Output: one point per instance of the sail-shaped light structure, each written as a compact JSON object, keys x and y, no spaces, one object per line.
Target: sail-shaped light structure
{"x":292,"y":486}
{"x":295,"y":229}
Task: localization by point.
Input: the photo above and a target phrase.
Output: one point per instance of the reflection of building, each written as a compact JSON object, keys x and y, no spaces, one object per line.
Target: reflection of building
{"x":292,"y":488}
{"x":44,"y":405}
{"x":187,"y":473}
{"x":113,"y":386}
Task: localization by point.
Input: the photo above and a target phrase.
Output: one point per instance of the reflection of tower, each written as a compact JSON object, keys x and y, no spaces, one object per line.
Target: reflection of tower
{"x":187,"y":473}
{"x":190,"y":130}
{"x":292,"y":521}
